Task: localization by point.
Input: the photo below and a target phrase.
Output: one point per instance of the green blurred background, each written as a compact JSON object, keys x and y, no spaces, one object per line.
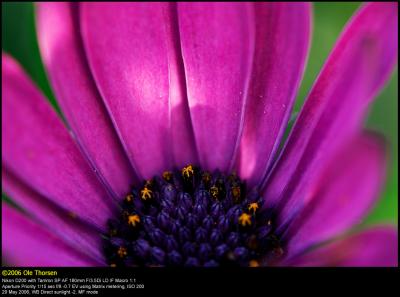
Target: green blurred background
{"x":19,"y":39}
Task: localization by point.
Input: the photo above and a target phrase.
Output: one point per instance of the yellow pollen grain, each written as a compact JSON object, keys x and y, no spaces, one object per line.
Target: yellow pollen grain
{"x":122,"y":251}
{"x":253,"y":207}
{"x":146,"y":193}
{"x":187,"y":171}
{"x":129,"y":198}
{"x":253,"y":263}
{"x":245,"y":219}
{"x":133,"y":220}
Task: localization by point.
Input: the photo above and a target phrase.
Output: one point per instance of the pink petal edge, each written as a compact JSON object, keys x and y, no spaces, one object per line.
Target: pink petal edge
{"x":358,"y":66}
{"x":39,"y":150}
{"x":25,"y":243}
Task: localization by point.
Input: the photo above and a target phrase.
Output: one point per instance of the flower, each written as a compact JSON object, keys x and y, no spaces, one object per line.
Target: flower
{"x":174,"y":115}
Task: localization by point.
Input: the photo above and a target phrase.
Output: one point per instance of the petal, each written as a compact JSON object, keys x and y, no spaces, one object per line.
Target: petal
{"x":377,"y":247}
{"x":26,"y":243}
{"x":130,"y":52}
{"x":56,"y":220}
{"x":39,"y":150}
{"x":360,"y":63}
{"x":217,"y":42}
{"x":184,"y":149}
{"x":282,"y":43}
{"x":63,"y":56}
{"x":343,"y":195}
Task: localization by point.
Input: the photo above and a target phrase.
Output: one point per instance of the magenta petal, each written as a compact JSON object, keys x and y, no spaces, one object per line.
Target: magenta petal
{"x":39,"y":150}
{"x":26,"y":243}
{"x":55,"y":219}
{"x":343,"y":195}
{"x":217,"y":46}
{"x":282,"y":42}
{"x":376,"y":247}
{"x":129,"y":47}
{"x":62,"y":52}
{"x":360,"y":63}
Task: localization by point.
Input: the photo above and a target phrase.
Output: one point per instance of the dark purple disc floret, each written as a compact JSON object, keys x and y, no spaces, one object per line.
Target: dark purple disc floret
{"x":192,"y":218}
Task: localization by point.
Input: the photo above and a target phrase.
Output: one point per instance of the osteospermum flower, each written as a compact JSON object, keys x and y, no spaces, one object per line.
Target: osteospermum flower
{"x":174,"y":114}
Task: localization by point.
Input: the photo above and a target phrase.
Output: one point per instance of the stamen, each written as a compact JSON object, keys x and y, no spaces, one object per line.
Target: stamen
{"x":253,"y":207}
{"x":148,"y":183}
{"x":146,"y":193}
{"x":129,"y":198}
{"x":133,"y":220}
{"x":187,"y":171}
{"x":245,"y":219}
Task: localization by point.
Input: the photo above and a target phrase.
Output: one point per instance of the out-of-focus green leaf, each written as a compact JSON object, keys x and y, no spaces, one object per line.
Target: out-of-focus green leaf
{"x":19,"y":40}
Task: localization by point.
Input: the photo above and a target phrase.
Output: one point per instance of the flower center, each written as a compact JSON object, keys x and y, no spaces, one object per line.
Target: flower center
{"x":192,"y":218}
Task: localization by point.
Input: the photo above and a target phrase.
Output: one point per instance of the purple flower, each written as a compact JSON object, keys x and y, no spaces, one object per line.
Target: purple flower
{"x":174,"y":115}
